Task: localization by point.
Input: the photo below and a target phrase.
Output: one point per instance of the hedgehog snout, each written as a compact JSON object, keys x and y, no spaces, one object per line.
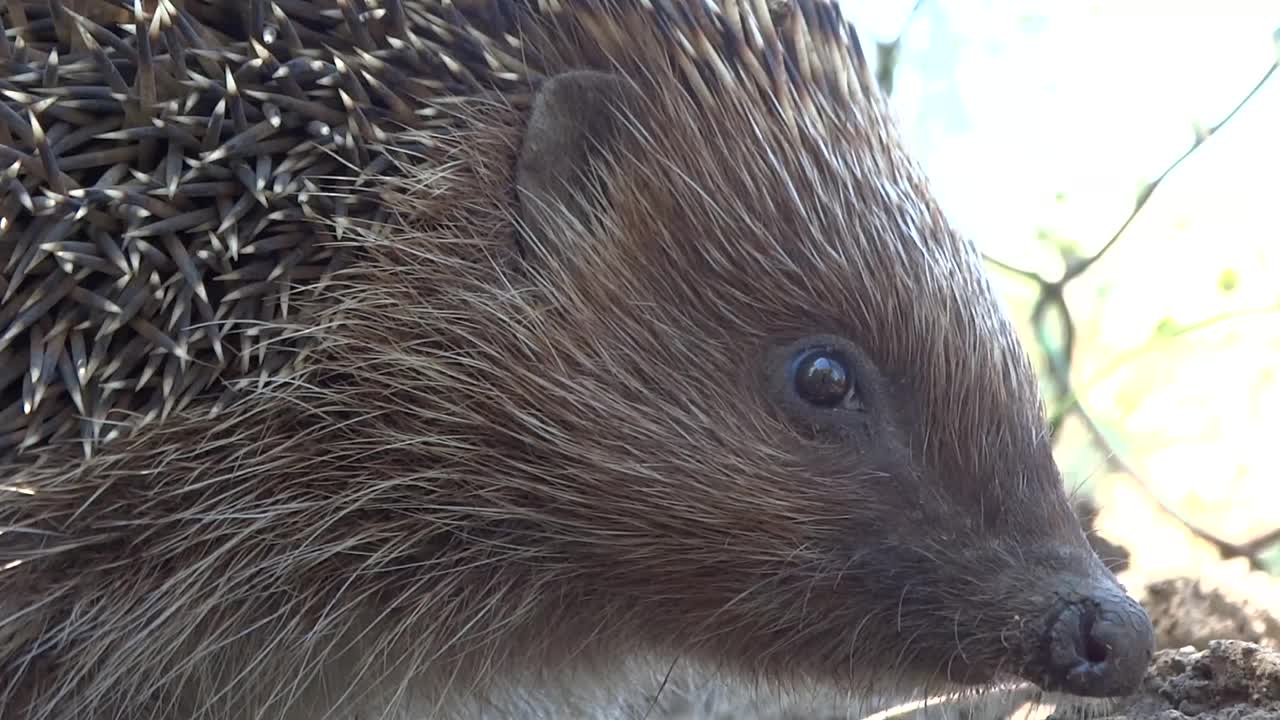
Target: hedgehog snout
{"x":1097,"y":643}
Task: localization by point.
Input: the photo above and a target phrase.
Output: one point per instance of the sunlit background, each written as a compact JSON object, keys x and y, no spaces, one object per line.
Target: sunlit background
{"x":1040,"y":123}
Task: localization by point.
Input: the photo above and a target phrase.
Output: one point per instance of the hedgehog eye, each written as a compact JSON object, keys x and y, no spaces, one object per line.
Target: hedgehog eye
{"x":822,"y":377}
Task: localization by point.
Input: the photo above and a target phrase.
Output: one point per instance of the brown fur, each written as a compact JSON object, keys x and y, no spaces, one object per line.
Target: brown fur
{"x":509,"y":454}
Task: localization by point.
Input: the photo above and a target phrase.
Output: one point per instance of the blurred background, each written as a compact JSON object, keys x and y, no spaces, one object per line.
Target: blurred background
{"x":1042,"y":126}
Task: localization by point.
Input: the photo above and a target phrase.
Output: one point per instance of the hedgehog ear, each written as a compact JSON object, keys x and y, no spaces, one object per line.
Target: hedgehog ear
{"x":575,"y":120}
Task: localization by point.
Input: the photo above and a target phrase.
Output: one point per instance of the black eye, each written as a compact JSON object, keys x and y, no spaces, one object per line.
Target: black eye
{"x":822,"y":378}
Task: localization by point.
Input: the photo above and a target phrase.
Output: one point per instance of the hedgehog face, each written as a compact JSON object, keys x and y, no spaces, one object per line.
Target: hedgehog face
{"x":799,"y":383}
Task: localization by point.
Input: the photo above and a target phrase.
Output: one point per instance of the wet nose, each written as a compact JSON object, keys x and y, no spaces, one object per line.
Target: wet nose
{"x":1100,"y":645}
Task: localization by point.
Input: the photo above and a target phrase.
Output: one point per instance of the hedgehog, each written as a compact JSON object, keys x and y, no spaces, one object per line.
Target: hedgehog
{"x":375,"y":357}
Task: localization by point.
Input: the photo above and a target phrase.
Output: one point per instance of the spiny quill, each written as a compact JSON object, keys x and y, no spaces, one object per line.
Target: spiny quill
{"x":165,"y":164}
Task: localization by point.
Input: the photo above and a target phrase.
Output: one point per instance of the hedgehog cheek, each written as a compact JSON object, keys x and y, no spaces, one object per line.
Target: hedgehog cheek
{"x":574,"y":122}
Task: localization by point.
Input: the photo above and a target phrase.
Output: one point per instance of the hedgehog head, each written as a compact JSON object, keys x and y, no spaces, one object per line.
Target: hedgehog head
{"x":758,"y":391}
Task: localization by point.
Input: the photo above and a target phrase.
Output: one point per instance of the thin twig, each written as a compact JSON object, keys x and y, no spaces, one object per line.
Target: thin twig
{"x":1123,"y":358}
{"x":1067,"y":401}
{"x":887,"y":54}
{"x":1076,"y":269}
{"x":1249,"y":550}
{"x":1025,"y":274}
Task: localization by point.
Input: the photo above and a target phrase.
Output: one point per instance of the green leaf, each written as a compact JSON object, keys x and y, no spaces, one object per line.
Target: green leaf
{"x":1228,"y":280}
{"x":1168,"y":327}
